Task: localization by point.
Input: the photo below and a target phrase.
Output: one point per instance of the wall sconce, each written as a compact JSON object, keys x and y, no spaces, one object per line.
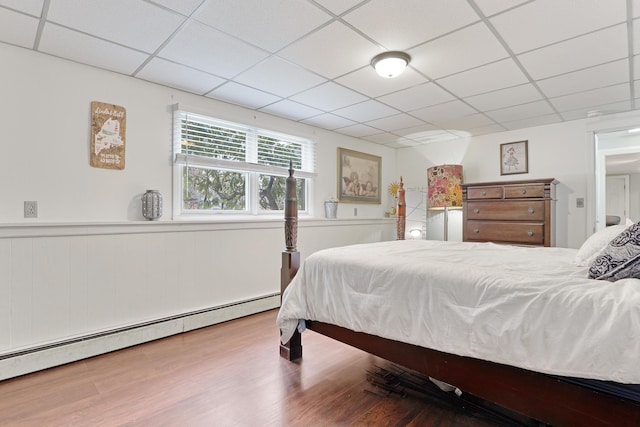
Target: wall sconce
{"x":390,"y":64}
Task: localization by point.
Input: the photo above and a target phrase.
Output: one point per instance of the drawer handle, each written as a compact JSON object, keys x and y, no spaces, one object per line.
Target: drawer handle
{"x":530,"y":233}
{"x":523,"y":191}
{"x":484,"y":193}
{"x":531,"y":210}
{"x":476,"y":231}
{"x":476,"y":211}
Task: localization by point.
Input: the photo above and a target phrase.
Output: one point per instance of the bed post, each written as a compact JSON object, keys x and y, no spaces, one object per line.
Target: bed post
{"x":292,"y":350}
{"x":401,"y":220}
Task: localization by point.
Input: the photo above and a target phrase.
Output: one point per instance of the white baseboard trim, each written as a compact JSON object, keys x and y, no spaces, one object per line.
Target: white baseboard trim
{"x":37,"y":359}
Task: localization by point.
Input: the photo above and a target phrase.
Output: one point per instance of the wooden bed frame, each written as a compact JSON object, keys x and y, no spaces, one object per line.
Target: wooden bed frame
{"x":539,"y":396}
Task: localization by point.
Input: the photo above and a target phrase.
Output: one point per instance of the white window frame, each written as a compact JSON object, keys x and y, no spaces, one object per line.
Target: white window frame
{"x":249,"y":166}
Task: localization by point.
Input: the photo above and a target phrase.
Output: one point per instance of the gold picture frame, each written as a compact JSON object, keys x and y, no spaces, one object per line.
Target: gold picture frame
{"x":359,"y":177}
{"x":514,"y":158}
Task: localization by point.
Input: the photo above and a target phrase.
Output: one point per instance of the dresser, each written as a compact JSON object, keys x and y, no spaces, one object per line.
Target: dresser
{"x":515,"y":212}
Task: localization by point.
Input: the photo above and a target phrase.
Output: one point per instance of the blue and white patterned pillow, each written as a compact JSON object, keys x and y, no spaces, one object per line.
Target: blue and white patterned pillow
{"x":620,"y":259}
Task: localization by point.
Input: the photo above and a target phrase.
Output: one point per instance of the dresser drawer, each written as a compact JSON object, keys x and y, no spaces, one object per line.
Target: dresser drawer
{"x":526,"y":210}
{"x":485,"y":192}
{"x":523,"y":191}
{"x":508,"y":232}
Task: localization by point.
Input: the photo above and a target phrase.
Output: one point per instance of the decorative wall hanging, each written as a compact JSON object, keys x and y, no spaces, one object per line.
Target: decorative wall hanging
{"x":514,"y":158}
{"x":108,"y":130}
{"x":359,"y":177}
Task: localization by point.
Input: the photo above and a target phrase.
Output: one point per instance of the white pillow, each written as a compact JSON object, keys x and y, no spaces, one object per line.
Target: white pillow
{"x":596,"y":243}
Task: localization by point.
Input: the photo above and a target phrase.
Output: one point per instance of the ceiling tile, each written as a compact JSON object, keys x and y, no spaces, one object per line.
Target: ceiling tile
{"x":464,"y":122}
{"x":413,"y":98}
{"x":366,"y":111}
{"x":444,"y":111}
{"x":401,"y":25}
{"x":338,"y":6}
{"x":423,"y":131}
{"x":594,"y":97}
{"x":499,"y":75}
{"x":504,"y":98}
{"x":533,"y":121}
{"x":329,"y":121}
{"x":32,"y":7}
{"x":391,"y":123}
{"x":433,"y":136}
{"x":458,"y":51}
{"x":329,"y":96}
{"x":519,"y":112}
{"x":291,"y":110}
{"x":110,"y":23}
{"x":358,"y":130}
{"x":543,"y":22}
{"x":17,"y":29}
{"x":242,"y":95}
{"x":175,"y":75}
{"x":589,"y":78}
{"x":89,"y":50}
{"x":491,"y":7}
{"x":185,"y":7}
{"x":636,"y":36}
{"x":596,"y":110}
{"x":206,"y":49}
{"x":581,"y":52}
{"x":332,"y":51}
{"x":484,"y":130}
{"x":384,"y":138}
{"x":636,"y":64}
{"x":280,"y":77}
{"x":293,"y":19}
{"x":367,"y":81}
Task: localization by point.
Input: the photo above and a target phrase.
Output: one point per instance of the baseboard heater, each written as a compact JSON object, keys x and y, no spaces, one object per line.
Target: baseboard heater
{"x":65,"y":351}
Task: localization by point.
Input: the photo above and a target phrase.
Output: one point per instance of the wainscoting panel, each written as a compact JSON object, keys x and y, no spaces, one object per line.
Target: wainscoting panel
{"x":65,"y":285}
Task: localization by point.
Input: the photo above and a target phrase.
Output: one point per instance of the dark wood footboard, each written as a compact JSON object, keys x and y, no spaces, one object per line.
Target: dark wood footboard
{"x":542,"y":397}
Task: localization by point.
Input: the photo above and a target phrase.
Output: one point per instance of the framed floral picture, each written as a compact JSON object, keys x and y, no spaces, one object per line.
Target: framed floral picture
{"x":514,"y":158}
{"x":359,"y":177}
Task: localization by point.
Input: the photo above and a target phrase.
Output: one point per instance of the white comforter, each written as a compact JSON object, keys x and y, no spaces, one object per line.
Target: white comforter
{"x":525,"y":307}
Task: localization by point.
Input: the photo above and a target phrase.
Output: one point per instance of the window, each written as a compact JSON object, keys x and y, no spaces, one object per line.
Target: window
{"x":225,"y":167}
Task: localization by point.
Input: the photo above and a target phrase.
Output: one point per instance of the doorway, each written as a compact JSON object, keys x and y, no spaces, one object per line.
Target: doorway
{"x":616,"y":154}
{"x":617,"y":199}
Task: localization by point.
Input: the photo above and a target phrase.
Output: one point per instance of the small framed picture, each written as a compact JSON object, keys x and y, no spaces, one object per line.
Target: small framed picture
{"x":359,"y":177}
{"x":514,"y":158}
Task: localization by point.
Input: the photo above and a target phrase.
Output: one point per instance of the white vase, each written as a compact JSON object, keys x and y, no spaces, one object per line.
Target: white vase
{"x":152,"y":205}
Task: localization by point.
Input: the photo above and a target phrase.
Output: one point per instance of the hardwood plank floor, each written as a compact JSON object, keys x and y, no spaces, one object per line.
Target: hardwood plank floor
{"x":224,"y":375}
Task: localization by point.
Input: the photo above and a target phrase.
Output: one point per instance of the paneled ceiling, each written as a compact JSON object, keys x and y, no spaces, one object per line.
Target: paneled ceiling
{"x":478,"y":66}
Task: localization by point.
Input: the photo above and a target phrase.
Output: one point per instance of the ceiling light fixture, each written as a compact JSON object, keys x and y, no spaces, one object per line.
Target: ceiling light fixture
{"x":390,"y":64}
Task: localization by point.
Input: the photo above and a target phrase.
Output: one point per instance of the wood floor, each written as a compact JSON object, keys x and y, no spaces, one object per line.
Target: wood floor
{"x":225,"y":375}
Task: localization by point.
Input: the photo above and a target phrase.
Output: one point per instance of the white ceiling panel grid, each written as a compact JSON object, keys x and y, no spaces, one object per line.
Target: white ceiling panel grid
{"x":477,"y":66}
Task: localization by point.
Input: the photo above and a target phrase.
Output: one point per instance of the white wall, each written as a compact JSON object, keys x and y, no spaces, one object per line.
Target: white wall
{"x":89,"y":262}
{"x":46,"y":135}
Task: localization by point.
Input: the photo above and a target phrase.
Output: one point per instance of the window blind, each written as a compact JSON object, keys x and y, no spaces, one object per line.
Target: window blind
{"x":217,"y":143}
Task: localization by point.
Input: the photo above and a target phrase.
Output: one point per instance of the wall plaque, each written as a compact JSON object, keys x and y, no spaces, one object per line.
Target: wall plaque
{"x":108,"y":130}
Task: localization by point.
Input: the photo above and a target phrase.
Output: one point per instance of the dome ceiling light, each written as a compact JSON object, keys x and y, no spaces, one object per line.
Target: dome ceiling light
{"x":390,"y":64}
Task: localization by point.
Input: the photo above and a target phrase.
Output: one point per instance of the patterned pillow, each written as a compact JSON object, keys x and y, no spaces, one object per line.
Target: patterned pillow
{"x":620,"y":259}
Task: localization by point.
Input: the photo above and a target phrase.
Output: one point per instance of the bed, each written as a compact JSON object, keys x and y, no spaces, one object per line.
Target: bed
{"x":521,"y":327}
